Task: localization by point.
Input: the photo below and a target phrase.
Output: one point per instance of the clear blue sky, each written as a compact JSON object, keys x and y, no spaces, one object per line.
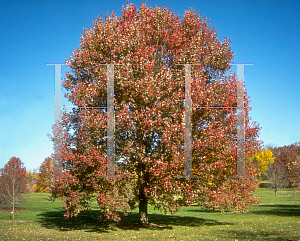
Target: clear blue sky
{"x":33,"y":33}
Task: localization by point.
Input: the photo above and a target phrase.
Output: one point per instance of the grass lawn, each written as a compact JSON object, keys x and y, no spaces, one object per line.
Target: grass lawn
{"x":274,"y":219}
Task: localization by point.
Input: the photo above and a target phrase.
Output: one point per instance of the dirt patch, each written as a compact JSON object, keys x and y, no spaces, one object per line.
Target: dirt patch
{"x":16,"y":221}
{"x":16,"y":211}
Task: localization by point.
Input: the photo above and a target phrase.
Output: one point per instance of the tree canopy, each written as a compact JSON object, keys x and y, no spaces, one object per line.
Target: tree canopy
{"x":149,"y":48}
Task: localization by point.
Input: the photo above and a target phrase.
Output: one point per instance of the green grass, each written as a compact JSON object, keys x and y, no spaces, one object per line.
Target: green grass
{"x":274,"y":219}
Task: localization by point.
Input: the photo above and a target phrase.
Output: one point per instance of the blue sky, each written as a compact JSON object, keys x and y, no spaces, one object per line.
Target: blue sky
{"x":33,"y":33}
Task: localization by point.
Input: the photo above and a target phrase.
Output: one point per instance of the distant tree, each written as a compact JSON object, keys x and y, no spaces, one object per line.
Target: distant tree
{"x":284,"y":172}
{"x":295,"y":168}
{"x":31,"y":177}
{"x":276,"y":175}
{"x":290,"y":157}
{"x":13,"y":183}
{"x":44,"y":177}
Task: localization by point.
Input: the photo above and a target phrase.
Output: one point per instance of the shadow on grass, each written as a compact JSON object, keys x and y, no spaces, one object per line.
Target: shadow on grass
{"x":161,"y":221}
{"x":85,"y":221}
{"x":263,"y":235}
{"x":278,"y":210}
{"x":88,"y":221}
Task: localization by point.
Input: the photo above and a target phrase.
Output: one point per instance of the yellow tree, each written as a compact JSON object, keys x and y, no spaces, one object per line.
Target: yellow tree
{"x":31,"y":177}
{"x":264,"y":159}
{"x":44,"y":179}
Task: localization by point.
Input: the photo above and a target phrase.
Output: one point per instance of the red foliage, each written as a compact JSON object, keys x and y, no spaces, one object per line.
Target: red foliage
{"x":149,"y":110}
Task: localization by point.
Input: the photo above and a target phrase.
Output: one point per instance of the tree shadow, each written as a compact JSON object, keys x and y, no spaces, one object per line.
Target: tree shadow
{"x":84,"y":221}
{"x":161,"y":221}
{"x":278,"y":210}
{"x":262,"y":235}
{"x":88,"y":221}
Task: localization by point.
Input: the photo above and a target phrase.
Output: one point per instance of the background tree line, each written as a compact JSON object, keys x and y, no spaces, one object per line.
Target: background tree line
{"x":279,"y":166}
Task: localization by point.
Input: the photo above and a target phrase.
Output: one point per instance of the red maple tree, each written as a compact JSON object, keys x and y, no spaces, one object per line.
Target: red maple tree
{"x":13,"y":183}
{"x":151,"y":46}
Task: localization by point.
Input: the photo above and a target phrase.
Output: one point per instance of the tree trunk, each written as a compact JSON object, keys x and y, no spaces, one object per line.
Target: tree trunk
{"x":13,"y":203}
{"x":143,"y":212}
{"x":276,"y":183}
{"x":143,"y":200}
